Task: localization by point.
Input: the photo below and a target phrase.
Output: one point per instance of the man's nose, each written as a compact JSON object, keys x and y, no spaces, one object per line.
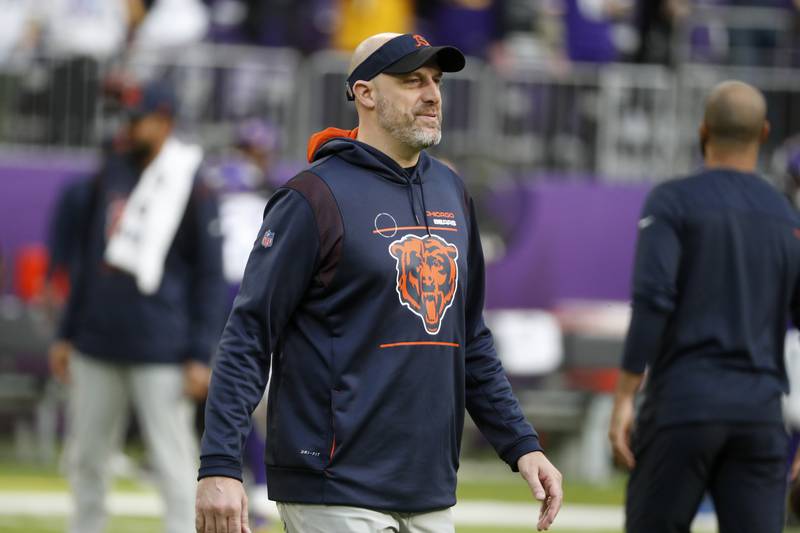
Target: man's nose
{"x":431,"y":94}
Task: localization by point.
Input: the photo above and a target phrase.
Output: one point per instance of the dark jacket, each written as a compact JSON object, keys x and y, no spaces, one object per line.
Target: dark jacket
{"x":716,"y":280}
{"x":366,"y":285}
{"x":106,"y":315}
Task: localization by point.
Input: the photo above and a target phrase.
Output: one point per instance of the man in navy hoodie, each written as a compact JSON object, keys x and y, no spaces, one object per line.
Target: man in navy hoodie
{"x":363,"y":296}
{"x":716,"y":279}
{"x":140,"y":323}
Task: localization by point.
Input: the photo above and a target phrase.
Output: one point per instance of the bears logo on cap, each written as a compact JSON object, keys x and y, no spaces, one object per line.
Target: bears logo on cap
{"x":421,"y":41}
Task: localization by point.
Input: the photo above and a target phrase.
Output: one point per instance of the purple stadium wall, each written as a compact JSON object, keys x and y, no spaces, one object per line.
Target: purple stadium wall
{"x":29,"y":187}
{"x":568,"y":240}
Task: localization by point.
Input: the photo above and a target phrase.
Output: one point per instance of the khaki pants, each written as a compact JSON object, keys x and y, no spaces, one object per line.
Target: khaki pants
{"x":100,"y":396}
{"x":301,"y":518}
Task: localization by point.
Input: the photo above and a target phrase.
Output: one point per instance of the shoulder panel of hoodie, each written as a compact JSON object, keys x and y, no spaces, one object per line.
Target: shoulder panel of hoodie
{"x":328,"y":218}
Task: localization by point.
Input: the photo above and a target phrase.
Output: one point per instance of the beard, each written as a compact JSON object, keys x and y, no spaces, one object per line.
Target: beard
{"x":401,"y":125}
{"x":141,"y":153}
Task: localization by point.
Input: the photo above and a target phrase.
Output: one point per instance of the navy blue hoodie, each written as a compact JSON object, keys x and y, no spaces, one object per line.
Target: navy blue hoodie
{"x":366,"y":284}
{"x":717,"y":278}
{"x":106,"y":316}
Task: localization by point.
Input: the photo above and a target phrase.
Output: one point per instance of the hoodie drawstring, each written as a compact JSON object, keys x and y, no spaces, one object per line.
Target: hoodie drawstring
{"x":411,"y":201}
{"x":424,"y":208}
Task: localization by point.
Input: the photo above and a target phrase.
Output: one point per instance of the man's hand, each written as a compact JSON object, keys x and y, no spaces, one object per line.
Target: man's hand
{"x":619,"y":431}
{"x":795,"y":472}
{"x":59,"y":355}
{"x":545,"y":483}
{"x":221,"y":506}
{"x":196,"y":379}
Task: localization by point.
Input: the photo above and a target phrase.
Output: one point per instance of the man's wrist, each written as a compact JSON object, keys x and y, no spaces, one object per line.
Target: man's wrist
{"x":528,"y":456}
{"x":628,"y":385}
{"x":521,"y":448}
{"x":623,"y":396}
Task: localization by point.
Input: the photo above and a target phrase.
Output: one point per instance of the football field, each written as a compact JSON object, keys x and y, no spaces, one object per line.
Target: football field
{"x":131,"y":525}
{"x":491,"y":500}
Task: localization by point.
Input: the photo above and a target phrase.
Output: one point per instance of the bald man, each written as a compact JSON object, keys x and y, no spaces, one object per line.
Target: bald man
{"x":716,"y":280}
{"x":363,"y":296}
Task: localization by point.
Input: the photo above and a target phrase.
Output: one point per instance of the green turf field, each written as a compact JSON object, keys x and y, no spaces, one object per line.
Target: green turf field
{"x":11,"y":524}
{"x":478,"y":481}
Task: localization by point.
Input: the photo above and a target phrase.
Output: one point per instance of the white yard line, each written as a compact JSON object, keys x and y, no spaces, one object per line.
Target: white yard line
{"x":60,"y":504}
{"x":576,"y":517}
{"x":468,"y":513}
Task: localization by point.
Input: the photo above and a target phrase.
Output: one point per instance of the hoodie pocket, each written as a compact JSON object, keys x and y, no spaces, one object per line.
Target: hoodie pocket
{"x":298,"y":427}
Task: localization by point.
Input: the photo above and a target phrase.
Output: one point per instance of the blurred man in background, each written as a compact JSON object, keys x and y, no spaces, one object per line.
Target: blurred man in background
{"x":790,"y":171}
{"x":717,"y":276}
{"x":143,"y":314}
{"x":376,"y":344}
{"x":243,"y":180}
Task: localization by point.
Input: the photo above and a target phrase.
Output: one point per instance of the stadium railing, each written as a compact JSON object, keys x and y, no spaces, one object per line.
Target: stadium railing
{"x":614,"y":122}
{"x":743,"y":34}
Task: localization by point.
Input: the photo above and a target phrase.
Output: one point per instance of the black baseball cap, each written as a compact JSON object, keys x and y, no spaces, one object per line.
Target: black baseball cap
{"x":405,"y":53}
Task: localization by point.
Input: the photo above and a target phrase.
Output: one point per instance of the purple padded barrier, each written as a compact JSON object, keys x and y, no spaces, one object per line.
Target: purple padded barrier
{"x":29,"y":186}
{"x":568,"y":240}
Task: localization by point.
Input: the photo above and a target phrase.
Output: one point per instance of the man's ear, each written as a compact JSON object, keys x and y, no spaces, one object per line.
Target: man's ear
{"x":364,"y":92}
{"x":702,"y":134}
{"x":765,"y":129}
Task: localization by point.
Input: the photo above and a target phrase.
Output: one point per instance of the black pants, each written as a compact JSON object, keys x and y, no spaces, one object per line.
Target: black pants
{"x":743,"y":466}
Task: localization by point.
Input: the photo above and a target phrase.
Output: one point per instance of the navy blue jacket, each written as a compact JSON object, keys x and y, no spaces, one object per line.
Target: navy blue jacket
{"x":106,"y":315}
{"x":717,"y":277}
{"x":366,"y":285}
{"x":64,"y":231}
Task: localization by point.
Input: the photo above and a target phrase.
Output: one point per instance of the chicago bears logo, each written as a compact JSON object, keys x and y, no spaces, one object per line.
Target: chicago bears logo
{"x":427,"y":277}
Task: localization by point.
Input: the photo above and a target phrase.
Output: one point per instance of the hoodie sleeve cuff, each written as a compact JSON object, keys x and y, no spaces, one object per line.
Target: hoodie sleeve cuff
{"x":219,"y":465}
{"x":199,"y":352}
{"x":521,"y":447}
{"x":64,"y":331}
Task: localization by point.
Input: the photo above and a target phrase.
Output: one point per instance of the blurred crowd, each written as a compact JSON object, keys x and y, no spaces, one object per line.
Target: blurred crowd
{"x":498,"y":30}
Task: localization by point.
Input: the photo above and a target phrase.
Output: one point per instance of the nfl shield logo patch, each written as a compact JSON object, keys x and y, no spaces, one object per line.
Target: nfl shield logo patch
{"x":267,"y":239}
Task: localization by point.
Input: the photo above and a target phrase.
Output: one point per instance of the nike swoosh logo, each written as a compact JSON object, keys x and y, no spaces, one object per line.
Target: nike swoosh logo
{"x":646,"y":221}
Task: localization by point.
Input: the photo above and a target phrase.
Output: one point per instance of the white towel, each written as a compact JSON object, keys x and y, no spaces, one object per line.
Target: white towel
{"x":153,"y":213}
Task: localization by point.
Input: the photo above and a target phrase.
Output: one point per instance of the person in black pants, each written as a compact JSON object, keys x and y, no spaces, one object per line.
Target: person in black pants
{"x":716,"y":279}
